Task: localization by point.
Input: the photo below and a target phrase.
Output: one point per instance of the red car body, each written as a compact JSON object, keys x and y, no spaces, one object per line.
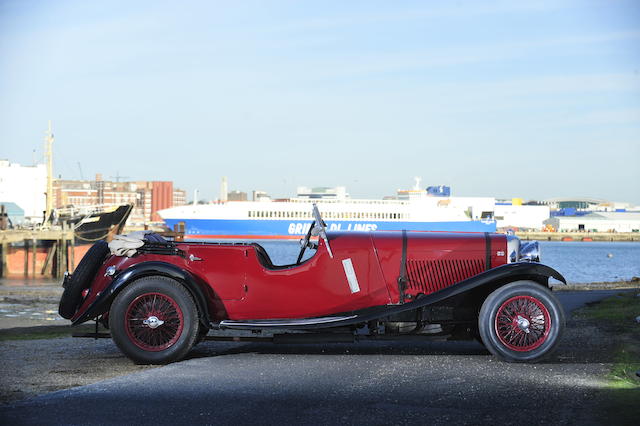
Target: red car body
{"x":380,"y":282}
{"x":241,"y":287}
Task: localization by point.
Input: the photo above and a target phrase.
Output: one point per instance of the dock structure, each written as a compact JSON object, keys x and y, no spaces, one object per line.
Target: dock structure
{"x":59,"y":244}
{"x":579,"y":236}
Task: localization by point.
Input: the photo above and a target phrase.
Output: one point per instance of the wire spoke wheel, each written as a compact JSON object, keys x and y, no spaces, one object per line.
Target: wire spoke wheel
{"x":522,"y":323}
{"x":154,"y":321}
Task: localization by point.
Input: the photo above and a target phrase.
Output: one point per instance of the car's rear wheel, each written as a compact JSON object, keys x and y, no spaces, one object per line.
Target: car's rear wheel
{"x":521,"y":322}
{"x":154,"y":320}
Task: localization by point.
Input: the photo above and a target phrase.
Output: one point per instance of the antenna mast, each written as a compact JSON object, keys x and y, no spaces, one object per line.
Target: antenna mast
{"x":48,"y":150}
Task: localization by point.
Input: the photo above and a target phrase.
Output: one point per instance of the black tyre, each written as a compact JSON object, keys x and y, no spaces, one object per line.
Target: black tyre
{"x":202,"y":334}
{"x":154,"y":320}
{"x":521,"y":322}
{"x":81,"y":279}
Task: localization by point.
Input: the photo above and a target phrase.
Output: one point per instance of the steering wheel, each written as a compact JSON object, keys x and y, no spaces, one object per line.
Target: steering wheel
{"x":305,"y":242}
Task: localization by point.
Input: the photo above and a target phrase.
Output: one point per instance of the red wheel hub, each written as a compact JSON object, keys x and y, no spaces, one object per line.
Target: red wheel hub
{"x":153,"y":321}
{"x":522,"y":323}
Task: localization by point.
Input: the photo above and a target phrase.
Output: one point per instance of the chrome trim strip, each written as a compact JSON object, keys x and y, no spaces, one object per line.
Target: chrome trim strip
{"x":283,"y":322}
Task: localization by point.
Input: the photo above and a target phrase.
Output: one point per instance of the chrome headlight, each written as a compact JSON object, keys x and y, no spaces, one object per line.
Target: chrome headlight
{"x":513,"y":248}
{"x":530,"y":252}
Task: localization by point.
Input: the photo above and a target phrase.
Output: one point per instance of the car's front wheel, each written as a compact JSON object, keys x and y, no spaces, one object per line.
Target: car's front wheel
{"x":154,"y":320}
{"x":521,"y":322}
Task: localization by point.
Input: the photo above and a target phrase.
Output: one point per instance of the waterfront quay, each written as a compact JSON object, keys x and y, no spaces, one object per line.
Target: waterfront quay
{"x":579,"y":236}
{"x":47,"y":252}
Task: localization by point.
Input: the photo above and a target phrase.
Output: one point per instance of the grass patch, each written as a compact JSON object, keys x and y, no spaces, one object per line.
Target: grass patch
{"x":623,"y":375}
{"x":617,"y":314}
{"x":619,"y":310}
{"x":43,"y":332}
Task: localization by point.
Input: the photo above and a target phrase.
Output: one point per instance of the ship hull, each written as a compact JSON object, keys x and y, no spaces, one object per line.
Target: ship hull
{"x":293,"y":229}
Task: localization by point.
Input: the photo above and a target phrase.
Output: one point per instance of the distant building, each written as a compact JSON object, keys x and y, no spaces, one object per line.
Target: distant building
{"x":597,"y":222}
{"x":147,"y":196}
{"x":179,"y":197}
{"x":224,"y":189}
{"x":589,"y":205}
{"x":10,"y":214}
{"x":237,"y":196}
{"x":26,"y":186}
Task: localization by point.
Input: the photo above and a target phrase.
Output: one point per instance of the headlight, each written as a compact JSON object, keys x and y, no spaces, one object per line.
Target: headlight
{"x":518,"y":251}
{"x":530,"y":252}
{"x":513,"y":248}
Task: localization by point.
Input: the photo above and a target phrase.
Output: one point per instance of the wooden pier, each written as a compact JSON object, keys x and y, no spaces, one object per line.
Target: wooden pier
{"x":58,"y":243}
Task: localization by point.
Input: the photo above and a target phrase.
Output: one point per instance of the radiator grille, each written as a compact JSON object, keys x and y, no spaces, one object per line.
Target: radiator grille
{"x":428,"y":276}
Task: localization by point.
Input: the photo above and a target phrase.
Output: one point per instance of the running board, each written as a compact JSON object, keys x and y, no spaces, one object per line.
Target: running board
{"x":282,"y":323}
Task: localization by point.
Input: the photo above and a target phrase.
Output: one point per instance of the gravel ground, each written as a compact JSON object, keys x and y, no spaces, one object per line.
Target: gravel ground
{"x":33,"y":367}
{"x":368,"y":383}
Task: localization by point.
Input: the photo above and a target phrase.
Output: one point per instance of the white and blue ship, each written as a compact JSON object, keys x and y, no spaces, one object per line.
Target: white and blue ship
{"x":289,"y":219}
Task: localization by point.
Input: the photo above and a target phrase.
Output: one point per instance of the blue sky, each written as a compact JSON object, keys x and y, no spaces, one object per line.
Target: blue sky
{"x":507,"y":99}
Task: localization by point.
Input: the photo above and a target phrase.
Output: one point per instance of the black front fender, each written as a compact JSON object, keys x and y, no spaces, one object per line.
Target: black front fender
{"x":103,"y":302}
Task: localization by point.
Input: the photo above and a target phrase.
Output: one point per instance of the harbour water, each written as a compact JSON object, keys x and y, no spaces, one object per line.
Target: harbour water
{"x":588,"y":262}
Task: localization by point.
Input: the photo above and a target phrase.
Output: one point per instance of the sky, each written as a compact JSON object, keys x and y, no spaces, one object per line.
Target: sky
{"x":534,"y":99}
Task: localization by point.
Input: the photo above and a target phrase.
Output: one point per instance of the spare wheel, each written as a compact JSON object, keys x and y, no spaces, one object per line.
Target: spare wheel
{"x":81,"y":279}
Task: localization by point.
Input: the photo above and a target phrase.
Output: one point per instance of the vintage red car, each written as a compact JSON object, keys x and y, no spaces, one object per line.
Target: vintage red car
{"x":159,"y":298}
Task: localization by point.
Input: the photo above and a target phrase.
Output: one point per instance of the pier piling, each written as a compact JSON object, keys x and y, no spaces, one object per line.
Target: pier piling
{"x":57,"y":258}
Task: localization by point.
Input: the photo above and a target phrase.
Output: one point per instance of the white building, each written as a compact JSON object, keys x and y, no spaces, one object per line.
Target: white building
{"x":521,"y":217}
{"x":598,"y":222}
{"x":25,"y":186}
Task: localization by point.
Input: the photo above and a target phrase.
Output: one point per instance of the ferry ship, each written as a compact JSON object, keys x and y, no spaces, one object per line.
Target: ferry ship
{"x":291,"y":218}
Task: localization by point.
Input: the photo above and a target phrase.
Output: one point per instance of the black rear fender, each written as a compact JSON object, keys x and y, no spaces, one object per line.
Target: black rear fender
{"x":197,"y":289}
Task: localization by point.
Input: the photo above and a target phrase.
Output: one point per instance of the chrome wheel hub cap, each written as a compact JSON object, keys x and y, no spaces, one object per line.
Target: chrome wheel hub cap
{"x":153,"y":322}
{"x":523,"y":324}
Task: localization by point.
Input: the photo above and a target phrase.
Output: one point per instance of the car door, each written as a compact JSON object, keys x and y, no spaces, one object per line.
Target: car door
{"x":322,"y":285}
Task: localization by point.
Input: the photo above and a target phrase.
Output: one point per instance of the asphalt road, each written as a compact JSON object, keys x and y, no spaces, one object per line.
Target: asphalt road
{"x":365,"y":383}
